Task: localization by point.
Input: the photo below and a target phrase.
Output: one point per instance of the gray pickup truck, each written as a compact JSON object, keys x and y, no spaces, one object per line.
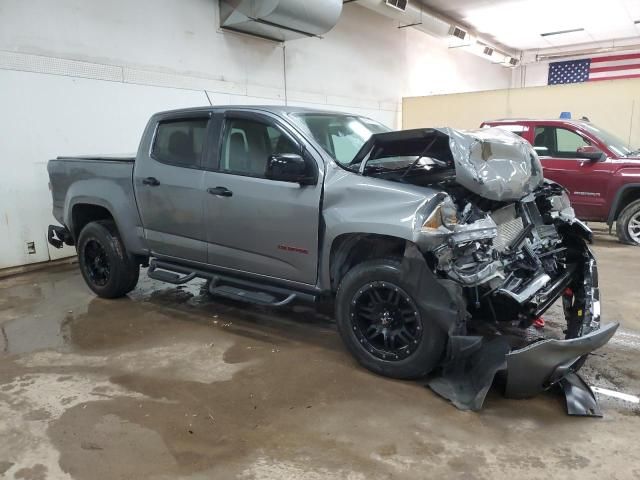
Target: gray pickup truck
{"x":438,"y":248}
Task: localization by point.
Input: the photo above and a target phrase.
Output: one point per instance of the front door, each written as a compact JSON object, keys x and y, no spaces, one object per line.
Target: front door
{"x":557,"y":148}
{"x":169,"y":189}
{"x":254,"y":224}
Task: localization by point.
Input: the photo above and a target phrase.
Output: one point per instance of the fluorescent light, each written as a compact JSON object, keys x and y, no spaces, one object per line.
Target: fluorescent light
{"x":562,"y":32}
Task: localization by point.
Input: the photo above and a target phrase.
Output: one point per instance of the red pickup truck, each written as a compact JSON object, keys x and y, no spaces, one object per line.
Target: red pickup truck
{"x":601,"y":173}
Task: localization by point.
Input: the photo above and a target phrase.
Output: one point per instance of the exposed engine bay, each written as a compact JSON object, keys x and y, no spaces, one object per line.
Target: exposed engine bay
{"x":516,"y":259}
{"x":508,"y":245}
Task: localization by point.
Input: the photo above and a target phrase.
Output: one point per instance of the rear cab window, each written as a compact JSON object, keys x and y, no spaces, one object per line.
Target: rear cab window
{"x":180,"y":142}
{"x":520,"y":130}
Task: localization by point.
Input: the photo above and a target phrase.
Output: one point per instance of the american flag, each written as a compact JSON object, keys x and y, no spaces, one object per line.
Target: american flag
{"x":611,"y":67}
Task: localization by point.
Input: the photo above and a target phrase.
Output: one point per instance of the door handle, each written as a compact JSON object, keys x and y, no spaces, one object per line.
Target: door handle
{"x":151,"y":181}
{"x":220,"y":191}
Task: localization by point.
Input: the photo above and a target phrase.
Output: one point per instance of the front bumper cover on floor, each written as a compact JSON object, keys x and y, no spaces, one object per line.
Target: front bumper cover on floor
{"x":540,"y":365}
{"x":527,"y":371}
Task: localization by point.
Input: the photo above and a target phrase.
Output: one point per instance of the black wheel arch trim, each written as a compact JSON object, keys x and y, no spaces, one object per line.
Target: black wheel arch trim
{"x":616,"y":206}
{"x":89,"y":203}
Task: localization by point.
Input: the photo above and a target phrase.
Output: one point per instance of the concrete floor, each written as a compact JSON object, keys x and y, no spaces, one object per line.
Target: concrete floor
{"x":170,"y":384}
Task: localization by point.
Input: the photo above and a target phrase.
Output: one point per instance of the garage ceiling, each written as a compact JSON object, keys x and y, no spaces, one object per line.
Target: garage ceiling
{"x":520,"y":24}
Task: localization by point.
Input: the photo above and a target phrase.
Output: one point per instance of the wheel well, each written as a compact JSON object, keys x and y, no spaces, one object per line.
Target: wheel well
{"x":350,"y":249}
{"x":84,"y":213}
{"x":628,"y":196}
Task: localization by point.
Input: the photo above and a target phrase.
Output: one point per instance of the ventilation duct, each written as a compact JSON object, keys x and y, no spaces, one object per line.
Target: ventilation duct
{"x":280,"y":20}
{"x":399,"y":4}
{"x":409,"y":15}
{"x":458,"y":33}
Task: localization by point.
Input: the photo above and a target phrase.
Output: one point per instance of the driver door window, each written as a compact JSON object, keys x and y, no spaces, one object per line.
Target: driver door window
{"x":558,"y":142}
{"x":248,"y":144}
{"x":568,"y":142}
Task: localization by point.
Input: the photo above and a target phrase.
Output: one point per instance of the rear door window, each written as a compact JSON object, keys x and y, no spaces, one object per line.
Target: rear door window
{"x":180,"y":142}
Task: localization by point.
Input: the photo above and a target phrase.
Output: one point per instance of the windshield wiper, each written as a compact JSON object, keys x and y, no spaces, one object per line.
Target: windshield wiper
{"x":634,"y":152}
{"x":422,"y":154}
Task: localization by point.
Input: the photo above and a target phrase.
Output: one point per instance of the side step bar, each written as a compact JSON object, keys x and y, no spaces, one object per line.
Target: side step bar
{"x":167,"y":276}
{"x":255,"y":297}
{"x":228,"y":286}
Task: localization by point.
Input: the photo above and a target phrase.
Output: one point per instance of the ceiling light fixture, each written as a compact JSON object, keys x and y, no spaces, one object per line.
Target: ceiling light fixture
{"x":562,"y":32}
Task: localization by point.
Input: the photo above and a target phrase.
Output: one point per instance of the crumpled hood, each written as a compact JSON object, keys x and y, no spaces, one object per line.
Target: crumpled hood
{"x":491,"y":162}
{"x":494,"y":163}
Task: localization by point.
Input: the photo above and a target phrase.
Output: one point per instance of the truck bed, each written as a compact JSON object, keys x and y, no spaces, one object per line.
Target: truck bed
{"x":98,"y":180}
{"x":128,"y":158}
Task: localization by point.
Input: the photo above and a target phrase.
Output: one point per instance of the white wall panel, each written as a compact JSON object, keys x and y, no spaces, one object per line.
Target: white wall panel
{"x":48,"y":115}
{"x":83,"y":76}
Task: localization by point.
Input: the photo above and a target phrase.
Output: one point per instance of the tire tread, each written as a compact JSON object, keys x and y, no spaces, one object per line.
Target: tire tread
{"x":125,"y":271}
{"x":623,"y":220}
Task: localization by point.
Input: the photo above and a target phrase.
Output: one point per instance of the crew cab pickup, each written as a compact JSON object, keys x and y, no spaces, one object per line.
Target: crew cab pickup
{"x":423,"y":240}
{"x":600,"y":172}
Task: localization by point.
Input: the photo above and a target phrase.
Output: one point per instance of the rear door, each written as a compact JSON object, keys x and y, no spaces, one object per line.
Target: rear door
{"x":556,"y":147}
{"x":169,"y":185}
{"x":254,"y":224}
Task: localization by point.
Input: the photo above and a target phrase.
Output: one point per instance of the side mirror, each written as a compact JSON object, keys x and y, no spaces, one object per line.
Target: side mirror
{"x":290,"y":167}
{"x":590,"y":153}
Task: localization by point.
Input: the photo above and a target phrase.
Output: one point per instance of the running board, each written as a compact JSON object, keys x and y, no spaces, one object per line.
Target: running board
{"x":169,"y":277}
{"x":227,"y":286}
{"x":249,"y":296}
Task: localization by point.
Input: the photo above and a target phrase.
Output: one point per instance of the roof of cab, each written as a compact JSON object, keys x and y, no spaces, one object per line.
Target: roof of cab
{"x":565,"y":121}
{"x":277,"y":109}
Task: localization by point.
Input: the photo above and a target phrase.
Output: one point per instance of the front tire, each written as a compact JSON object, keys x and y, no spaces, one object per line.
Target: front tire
{"x":628,"y":224}
{"x":383,"y":325}
{"x":104,"y":263}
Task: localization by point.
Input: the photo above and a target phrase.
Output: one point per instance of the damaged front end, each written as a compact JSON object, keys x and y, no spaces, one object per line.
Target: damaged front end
{"x":507,"y":245}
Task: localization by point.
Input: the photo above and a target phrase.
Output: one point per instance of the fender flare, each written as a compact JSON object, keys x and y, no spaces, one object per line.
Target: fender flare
{"x":91,"y":201}
{"x":615,"y":206}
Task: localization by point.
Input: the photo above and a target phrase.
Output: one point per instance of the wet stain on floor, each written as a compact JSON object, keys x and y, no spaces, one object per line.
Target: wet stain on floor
{"x":170,"y":383}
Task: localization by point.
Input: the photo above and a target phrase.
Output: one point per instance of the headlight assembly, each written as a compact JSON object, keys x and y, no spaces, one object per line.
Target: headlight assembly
{"x":444,"y":215}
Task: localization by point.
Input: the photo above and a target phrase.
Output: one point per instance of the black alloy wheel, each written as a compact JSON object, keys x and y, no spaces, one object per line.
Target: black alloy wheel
{"x":97,"y":262}
{"x":386,"y":321}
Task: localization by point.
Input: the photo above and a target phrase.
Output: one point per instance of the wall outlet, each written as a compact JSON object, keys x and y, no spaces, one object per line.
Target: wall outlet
{"x":31,"y":248}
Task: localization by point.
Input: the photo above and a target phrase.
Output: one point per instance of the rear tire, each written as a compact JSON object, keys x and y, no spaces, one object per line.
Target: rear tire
{"x":393,"y":337}
{"x":104,"y":263}
{"x":628,"y":224}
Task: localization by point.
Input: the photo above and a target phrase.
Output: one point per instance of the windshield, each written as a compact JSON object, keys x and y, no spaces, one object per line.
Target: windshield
{"x":341,"y":136}
{"x":615,"y":144}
